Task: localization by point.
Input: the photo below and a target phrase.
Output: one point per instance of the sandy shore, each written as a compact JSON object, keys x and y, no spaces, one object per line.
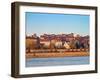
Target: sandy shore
{"x":56,"y":54}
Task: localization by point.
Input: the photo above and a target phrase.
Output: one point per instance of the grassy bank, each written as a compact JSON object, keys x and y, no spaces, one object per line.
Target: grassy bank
{"x":56,"y":54}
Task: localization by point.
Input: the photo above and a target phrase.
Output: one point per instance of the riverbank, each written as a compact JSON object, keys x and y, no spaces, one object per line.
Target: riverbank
{"x":56,"y":54}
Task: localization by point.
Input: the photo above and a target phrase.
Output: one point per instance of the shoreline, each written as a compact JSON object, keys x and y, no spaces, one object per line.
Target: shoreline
{"x":56,"y":54}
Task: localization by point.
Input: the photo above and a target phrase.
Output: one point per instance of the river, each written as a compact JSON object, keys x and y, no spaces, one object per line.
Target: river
{"x":58,"y":61}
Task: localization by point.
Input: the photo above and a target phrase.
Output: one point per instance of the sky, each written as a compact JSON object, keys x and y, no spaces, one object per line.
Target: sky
{"x":48,"y":23}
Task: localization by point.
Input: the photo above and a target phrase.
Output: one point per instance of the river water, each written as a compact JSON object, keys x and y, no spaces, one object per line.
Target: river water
{"x":61,"y":61}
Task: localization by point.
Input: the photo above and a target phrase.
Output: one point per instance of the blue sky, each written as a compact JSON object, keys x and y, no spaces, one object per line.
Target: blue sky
{"x":40,"y":23}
